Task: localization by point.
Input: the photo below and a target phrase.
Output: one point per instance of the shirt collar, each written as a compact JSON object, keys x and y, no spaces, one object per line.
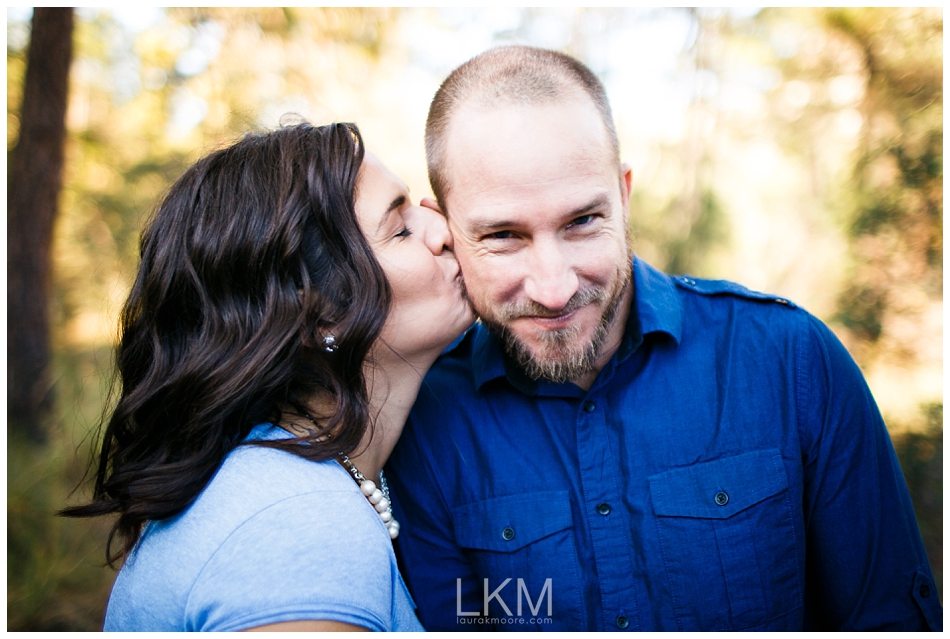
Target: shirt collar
{"x":657,"y":301}
{"x":657,"y":309}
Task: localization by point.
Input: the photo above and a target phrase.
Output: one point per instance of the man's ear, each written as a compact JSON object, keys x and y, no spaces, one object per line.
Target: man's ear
{"x":430,"y":203}
{"x":626,"y":179}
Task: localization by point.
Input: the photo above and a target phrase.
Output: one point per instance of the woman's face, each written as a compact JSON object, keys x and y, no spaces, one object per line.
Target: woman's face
{"x":413,"y":245}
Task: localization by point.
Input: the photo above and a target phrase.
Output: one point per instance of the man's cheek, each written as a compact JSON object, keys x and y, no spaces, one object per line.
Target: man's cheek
{"x":498,"y":287}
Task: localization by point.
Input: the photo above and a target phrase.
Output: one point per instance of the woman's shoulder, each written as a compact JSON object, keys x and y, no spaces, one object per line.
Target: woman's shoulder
{"x":253,"y":479}
{"x":272,"y":473}
{"x":268,"y":520}
{"x":326,"y":552}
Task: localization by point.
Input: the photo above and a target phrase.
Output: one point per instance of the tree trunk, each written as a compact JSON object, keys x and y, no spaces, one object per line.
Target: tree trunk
{"x":33,"y":185}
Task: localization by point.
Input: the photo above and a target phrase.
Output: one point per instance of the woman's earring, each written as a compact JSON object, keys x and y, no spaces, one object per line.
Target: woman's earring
{"x":329,"y":344}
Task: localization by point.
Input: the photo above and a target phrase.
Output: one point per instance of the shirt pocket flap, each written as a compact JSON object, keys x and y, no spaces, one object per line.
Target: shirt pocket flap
{"x":721,"y":488}
{"x":506,"y":524}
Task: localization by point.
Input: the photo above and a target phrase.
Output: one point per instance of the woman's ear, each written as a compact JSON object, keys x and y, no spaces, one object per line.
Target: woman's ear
{"x":329,"y":343}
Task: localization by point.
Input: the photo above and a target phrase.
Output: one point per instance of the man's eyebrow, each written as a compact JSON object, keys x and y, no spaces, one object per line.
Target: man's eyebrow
{"x":395,"y":204}
{"x":493,"y":226}
{"x":487,"y":228}
{"x":600,"y":201}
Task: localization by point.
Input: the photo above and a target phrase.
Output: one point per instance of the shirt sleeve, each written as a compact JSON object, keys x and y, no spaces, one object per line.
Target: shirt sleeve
{"x":309,"y":557}
{"x":866,"y":568}
{"x":439,"y":575}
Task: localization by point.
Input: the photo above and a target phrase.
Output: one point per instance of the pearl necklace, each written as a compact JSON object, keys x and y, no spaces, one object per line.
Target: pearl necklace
{"x":378,"y":499}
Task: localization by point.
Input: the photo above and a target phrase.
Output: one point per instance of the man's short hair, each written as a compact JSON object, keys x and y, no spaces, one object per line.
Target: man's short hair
{"x":505,"y":76}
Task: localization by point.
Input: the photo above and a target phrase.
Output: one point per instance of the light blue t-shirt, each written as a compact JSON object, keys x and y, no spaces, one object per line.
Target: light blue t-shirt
{"x":273,"y":537}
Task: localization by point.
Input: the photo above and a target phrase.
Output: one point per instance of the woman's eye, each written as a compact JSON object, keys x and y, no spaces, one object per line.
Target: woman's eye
{"x":406,"y":232}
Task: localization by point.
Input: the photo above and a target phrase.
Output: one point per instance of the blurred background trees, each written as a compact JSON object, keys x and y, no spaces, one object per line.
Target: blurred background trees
{"x":35,"y":178}
{"x":793,"y":150}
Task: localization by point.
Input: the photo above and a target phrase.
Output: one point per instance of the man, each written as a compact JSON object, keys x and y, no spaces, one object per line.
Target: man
{"x":614,"y":448}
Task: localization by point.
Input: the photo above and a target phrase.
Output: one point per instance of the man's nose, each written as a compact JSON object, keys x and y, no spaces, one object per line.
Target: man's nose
{"x":551,"y":280}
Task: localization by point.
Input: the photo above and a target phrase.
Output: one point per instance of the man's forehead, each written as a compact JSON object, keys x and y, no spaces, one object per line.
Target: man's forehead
{"x":515,"y":146}
{"x":571,"y":186}
{"x":505,"y":116}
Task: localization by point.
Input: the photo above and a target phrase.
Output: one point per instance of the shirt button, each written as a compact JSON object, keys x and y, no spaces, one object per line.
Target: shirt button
{"x":925,"y":591}
{"x":589,"y":407}
{"x":507,"y":533}
{"x":622,"y":622}
{"x":721,"y":498}
{"x":603,"y":509}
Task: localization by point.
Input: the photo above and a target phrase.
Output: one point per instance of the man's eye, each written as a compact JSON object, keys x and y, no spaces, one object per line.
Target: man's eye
{"x":501,"y":235}
{"x":582,"y":220}
{"x":406,"y":232}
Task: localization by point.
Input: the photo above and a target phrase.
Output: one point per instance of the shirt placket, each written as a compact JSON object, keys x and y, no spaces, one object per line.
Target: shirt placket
{"x":603,"y":507}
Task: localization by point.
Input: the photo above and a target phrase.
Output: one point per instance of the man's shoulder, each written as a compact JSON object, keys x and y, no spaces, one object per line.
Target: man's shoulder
{"x":726,"y":290}
{"x":757,"y":319}
{"x":714,"y":309}
{"x":720,"y":304}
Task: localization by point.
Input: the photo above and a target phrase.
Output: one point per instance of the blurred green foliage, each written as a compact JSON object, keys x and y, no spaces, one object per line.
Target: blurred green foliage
{"x":707,"y":230}
{"x":56,"y":579}
{"x":921,"y":457}
{"x":896,"y":226}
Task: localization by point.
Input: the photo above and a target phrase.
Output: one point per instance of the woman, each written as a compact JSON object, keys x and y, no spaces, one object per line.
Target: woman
{"x":290,"y":299}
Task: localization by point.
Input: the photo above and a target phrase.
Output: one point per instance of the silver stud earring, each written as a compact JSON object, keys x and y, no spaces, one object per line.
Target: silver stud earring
{"x":329,"y":344}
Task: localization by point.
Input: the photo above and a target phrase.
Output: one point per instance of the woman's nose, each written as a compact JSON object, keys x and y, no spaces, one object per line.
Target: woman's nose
{"x":437,"y":236}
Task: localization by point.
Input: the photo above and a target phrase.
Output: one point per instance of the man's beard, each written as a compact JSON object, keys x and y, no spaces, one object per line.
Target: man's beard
{"x":559,"y":358}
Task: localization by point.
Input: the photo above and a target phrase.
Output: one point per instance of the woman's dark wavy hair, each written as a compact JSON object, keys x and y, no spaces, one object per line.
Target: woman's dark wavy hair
{"x":254,"y":255}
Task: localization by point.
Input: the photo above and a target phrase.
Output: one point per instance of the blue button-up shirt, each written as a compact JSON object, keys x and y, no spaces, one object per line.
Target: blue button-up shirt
{"x":728,"y":469}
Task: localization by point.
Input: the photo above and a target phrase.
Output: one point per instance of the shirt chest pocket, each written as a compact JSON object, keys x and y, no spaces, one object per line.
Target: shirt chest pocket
{"x":728,"y":541}
{"x":529,"y":539}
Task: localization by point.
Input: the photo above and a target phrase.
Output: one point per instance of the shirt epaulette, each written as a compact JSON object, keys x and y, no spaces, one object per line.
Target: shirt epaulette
{"x":725,"y":287}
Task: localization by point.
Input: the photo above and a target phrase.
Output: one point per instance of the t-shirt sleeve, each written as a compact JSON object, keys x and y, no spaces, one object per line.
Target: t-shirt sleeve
{"x":316,"y":556}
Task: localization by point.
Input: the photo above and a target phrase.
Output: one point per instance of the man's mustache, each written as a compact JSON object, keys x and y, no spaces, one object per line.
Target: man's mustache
{"x":530,"y":308}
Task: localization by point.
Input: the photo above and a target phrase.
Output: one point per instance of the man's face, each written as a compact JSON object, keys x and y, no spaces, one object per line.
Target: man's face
{"x":538,"y":209}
